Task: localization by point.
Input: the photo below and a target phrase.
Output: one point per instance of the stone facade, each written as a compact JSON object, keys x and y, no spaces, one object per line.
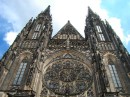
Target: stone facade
{"x":67,"y":64}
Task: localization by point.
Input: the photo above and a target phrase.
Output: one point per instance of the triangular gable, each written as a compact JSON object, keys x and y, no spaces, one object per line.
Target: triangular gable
{"x":68,"y":31}
{"x":67,"y":56}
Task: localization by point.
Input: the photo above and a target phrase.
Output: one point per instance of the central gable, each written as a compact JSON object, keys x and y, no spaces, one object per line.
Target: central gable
{"x":68,"y":31}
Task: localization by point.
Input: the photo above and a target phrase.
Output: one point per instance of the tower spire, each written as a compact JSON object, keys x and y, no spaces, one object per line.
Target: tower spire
{"x":90,"y":11}
{"x":67,"y":64}
{"x":45,"y":12}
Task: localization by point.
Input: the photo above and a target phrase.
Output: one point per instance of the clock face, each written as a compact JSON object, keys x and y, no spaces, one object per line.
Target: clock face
{"x":67,"y":78}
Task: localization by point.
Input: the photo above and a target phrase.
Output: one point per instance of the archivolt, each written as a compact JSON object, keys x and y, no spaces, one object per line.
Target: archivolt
{"x":63,"y":52}
{"x":25,"y":54}
{"x":110,"y":56}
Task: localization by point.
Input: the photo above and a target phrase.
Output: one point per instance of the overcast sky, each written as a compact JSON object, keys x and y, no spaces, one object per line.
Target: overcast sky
{"x":14,"y":14}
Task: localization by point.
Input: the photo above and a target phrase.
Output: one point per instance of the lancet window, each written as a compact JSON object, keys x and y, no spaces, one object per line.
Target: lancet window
{"x":20,"y":73}
{"x":115,"y":76}
{"x":38,"y":27}
{"x":100,"y":34}
{"x":35,"y":35}
{"x":99,"y":29}
{"x":102,"y":38}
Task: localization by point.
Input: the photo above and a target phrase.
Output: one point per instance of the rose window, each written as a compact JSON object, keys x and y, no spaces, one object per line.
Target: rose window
{"x":67,"y":78}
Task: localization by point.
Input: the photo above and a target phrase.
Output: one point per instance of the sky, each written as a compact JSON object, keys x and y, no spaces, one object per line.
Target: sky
{"x":14,"y":14}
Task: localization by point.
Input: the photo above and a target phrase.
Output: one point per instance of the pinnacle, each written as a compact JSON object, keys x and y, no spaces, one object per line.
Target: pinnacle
{"x":47,"y":9}
{"x":90,"y":10}
{"x":68,"y":21}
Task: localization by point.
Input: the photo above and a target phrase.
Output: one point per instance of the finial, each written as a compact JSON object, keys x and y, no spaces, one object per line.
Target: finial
{"x":68,"y":21}
{"x":89,"y":7}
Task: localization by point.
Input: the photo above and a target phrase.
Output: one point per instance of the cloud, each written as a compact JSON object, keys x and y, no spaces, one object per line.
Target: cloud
{"x":116,"y":25}
{"x":18,"y":12}
{"x":9,"y":37}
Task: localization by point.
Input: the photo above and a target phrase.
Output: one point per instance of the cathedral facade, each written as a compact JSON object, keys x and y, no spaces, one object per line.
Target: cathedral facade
{"x":67,"y":64}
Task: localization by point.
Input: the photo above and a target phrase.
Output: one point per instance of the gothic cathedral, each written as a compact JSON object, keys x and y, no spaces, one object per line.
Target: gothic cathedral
{"x":67,"y":64}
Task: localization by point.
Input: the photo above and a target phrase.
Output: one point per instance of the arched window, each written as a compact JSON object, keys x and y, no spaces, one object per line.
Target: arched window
{"x":35,"y":35}
{"x":100,"y":34}
{"x":20,"y":73}
{"x":38,"y":26}
{"x":99,"y":29}
{"x":102,"y":38}
{"x":114,"y":75}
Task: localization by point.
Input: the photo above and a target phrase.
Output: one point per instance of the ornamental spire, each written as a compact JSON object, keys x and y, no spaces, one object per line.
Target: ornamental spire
{"x":45,"y":12}
{"x":90,"y":11}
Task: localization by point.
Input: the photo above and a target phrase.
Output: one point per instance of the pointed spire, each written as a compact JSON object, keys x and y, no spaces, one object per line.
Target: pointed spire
{"x":68,"y":21}
{"x":92,"y":14}
{"x":45,"y":12}
{"x":29,"y":22}
{"x":90,"y":11}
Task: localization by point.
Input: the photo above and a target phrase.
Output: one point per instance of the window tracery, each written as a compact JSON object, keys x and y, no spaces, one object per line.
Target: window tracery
{"x":99,"y":29}
{"x":115,"y":76}
{"x":67,"y":78}
{"x":101,"y":36}
{"x":35,"y":35}
{"x":73,"y":44}
{"x":44,"y":92}
{"x":20,"y":73}
{"x":38,"y":26}
{"x":90,"y":93}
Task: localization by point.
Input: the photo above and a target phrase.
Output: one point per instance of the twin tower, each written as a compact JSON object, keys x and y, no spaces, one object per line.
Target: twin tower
{"x":67,"y":64}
